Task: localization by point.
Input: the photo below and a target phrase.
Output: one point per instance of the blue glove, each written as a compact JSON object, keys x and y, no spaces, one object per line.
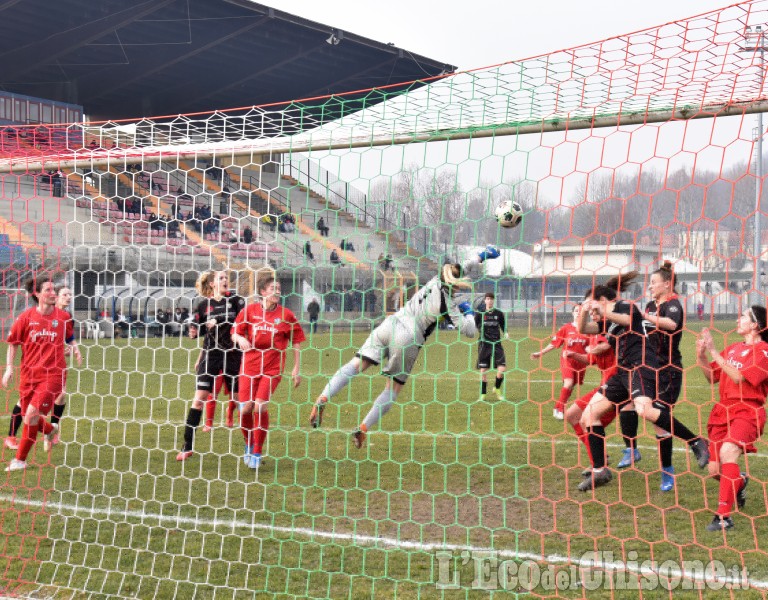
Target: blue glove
{"x":466,"y":309}
{"x":489,"y":252}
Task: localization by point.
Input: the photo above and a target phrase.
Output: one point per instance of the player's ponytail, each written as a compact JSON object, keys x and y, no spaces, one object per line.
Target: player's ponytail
{"x":667,"y":273}
{"x":204,"y":284}
{"x":611,"y":288}
{"x":760,"y":318}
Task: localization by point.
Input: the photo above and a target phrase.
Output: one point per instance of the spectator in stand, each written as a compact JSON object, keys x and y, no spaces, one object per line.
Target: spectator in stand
{"x":57,"y":183}
{"x":348,"y":246}
{"x":269,"y":222}
{"x":156,"y":184}
{"x":289,"y":222}
{"x":308,"y":251}
{"x":322,"y":227}
{"x":313,"y":310}
{"x":94,"y":145}
{"x":247,"y":235}
{"x":700,"y":311}
{"x":335,"y":260}
{"x":232,"y":236}
{"x":226,"y":201}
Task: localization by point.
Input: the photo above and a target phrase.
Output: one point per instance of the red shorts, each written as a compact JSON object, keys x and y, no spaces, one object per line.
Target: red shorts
{"x":741,"y":424}
{"x":569,"y":372}
{"x":41,"y":393}
{"x":584,"y":400}
{"x":257,"y":387}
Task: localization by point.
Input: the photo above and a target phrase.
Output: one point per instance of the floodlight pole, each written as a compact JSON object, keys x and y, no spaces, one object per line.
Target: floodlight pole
{"x":755,"y":42}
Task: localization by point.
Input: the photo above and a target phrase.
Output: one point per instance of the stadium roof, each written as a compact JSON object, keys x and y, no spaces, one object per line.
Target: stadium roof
{"x":128,"y":58}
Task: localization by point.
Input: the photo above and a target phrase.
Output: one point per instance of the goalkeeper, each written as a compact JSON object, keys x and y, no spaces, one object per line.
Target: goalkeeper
{"x":395,"y":344}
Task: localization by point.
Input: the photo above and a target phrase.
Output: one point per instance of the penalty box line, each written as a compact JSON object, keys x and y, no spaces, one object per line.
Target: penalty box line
{"x":376,"y":541}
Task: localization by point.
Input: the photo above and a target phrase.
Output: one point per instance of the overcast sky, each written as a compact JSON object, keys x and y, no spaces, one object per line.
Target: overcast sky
{"x":486,"y":32}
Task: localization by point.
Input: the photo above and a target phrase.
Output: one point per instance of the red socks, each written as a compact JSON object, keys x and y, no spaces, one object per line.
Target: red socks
{"x":246,"y":426}
{"x":28,"y":437}
{"x":210,"y":410}
{"x":730,"y":484}
{"x":261,"y":426}
{"x":565,"y":393}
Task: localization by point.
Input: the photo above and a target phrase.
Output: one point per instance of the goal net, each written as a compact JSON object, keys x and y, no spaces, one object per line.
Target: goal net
{"x":623,"y":153}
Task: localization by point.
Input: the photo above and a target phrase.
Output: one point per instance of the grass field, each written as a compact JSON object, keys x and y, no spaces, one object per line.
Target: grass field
{"x":321,"y":519}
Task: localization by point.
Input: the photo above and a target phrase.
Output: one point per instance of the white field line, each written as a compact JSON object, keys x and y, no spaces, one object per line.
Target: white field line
{"x":571,"y":438}
{"x":367,"y":540}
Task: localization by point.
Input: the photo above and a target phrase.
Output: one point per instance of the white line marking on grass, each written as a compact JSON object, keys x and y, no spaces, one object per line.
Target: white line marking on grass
{"x":367,"y":540}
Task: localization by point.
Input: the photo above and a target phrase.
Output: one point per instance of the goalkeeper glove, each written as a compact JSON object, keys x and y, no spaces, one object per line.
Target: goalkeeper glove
{"x":466,"y":309}
{"x":489,"y":252}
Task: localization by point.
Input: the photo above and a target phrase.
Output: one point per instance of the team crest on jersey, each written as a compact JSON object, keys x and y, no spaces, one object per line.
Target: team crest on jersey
{"x":745,"y":352}
{"x":55,"y":323}
{"x":277,"y":321}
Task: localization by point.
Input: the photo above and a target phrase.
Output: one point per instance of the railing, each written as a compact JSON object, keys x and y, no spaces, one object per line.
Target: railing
{"x":341,"y":193}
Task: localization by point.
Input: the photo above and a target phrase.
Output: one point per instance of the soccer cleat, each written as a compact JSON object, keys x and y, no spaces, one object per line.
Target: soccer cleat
{"x":700,"y":450}
{"x":595,"y":480}
{"x":184,"y":455}
{"x":667,"y":479}
{"x":11,"y":442}
{"x":253,"y":461}
{"x":48,"y":438}
{"x":741,"y":496}
{"x":720,"y":524}
{"x":207,"y":428}
{"x":16,"y":465}
{"x":316,"y":417}
{"x":628,"y":458}
{"x":558,"y":414}
{"x":497,"y":394}
{"x":55,"y":439}
{"x":358,"y":439}
{"x":481,"y":398}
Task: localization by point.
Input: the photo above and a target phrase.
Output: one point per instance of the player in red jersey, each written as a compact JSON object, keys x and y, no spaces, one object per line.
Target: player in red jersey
{"x":572,"y":342}
{"x":42,"y":332}
{"x":601,"y":353}
{"x":263,"y":331}
{"x":738,"y":418}
{"x":63,"y":300}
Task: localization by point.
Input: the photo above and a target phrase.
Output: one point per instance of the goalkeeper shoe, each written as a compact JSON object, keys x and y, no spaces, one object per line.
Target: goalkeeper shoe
{"x":16,"y":465}
{"x":184,"y":455}
{"x":316,"y":417}
{"x":11,"y":442}
{"x":207,"y":428}
{"x":595,"y":480}
{"x":358,"y":438}
{"x":700,"y":450}
{"x":48,"y":437}
{"x":741,"y":495}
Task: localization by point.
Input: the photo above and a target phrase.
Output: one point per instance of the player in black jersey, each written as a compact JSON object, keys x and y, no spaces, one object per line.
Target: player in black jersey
{"x":490,"y":353}
{"x":214,"y":316}
{"x":637,"y":380}
{"x":666,"y":319}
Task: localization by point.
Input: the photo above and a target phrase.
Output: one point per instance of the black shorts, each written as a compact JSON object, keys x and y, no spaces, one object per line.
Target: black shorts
{"x":491,"y":355}
{"x":627,"y":385}
{"x":218,"y":362}
{"x":670,"y":384}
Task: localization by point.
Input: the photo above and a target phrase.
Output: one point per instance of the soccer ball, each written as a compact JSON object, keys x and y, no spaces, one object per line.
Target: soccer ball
{"x":509,"y":213}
